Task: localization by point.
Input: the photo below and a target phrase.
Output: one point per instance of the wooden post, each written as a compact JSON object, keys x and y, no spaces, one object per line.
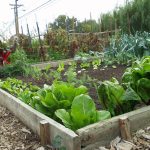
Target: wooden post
{"x":37,"y":25}
{"x":124,"y":125}
{"x":44,"y":132}
{"x":21,"y":29}
{"x":29,"y":36}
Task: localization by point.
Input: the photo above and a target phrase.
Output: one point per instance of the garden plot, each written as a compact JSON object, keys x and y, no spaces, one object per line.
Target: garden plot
{"x":87,"y":138}
{"x":55,"y":101}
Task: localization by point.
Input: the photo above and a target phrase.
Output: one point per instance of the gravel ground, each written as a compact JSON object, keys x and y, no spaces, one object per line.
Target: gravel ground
{"x":16,"y":136}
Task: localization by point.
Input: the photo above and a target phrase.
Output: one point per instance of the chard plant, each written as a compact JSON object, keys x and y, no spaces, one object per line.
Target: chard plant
{"x":120,"y":98}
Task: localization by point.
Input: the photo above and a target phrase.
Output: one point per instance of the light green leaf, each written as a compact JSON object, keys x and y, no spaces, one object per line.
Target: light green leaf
{"x":83,"y":111}
{"x":102,"y":115}
{"x":65,"y":117}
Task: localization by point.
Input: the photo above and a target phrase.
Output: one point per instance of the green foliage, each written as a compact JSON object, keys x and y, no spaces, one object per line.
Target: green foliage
{"x":128,"y":48}
{"x":138,"y":77}
{"x":110,"y":93}
{"x":71,"y":75}
{"x":85,"y":65}
{"x":58,"y":99}
{"x":46,"y":100}
{"x":18,"y":64}
{"x":61,"y":67}
{"x":127,"y":17}
{"x":134,"y":90}
{"x":96,"y":63}
{"x":56,"y":55}
{"x":84,"y":108}
{"x":116,"y":99}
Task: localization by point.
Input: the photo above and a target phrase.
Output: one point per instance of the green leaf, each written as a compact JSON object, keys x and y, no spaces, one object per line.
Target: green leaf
{"x":130,"y":95}
{"x":83,"y":111}
{"x":65,"y":117}
{"x":143,"y":89}
{"x":81,"y":90}
{"x":110,"y":93}
{"x":65,"y":104}
{"x":42,"y":109}
{"x":49,"y":100}
{"x":63,"y":91}
{"x":102,"y":115}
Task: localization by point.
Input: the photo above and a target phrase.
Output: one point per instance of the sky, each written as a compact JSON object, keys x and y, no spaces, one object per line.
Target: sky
{"x":80,"y":9}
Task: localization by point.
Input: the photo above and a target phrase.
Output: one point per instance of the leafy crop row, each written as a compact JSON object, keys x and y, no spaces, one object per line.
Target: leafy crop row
{"x":135,"y":89}
{"x":72,"y":106}
{"x":60,"y":101}
{"x":128,"y":48}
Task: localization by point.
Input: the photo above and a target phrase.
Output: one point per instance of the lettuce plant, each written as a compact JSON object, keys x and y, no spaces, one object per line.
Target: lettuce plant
{"x":57,"y":96}
{"x":83,"y":112}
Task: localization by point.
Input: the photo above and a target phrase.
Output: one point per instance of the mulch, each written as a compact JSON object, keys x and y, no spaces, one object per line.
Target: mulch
{"x":14,"y":135}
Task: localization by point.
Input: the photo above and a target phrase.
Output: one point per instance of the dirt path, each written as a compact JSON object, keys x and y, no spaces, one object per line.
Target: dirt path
{"x":14,"y":135}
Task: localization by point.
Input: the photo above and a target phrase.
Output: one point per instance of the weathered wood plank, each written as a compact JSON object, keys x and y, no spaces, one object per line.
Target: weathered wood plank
{"x":124,"y":126}
{"x":32,"y":118}
{"x":103,"y":132}
{"x":44,"y":132}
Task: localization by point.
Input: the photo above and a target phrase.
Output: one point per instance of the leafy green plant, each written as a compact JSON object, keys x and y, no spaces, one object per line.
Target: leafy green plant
{"x":85,"y":65}
{"x":18,"y":55}
{"x":134,"y":90}
{"x":110,"y":93}
{"x":114,"y":98}
{"x":84,"y":108}
{"x":138,"y":78}
{"x":56,"y":75}
{"x":71,"y":75}
{"x":128,"y":48}
{"x":58,"y":95}
{"x":61,"y":67}
{"x":96,"y":63}
{"x":19,"y":63}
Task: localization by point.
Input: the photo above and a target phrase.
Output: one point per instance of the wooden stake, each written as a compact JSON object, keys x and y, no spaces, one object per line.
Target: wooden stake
{"x":124,"y":125}
{"x":44,"y":132}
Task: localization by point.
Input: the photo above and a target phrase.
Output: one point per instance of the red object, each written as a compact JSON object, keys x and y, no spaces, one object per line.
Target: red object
{"x":4,"y":54}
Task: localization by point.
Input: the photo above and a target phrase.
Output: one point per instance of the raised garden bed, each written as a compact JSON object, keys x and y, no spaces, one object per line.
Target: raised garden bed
{"x":97,"y":134}
{"x":86,"y":138}
{"x":65,"y":61}
{"x":100,"y":74}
